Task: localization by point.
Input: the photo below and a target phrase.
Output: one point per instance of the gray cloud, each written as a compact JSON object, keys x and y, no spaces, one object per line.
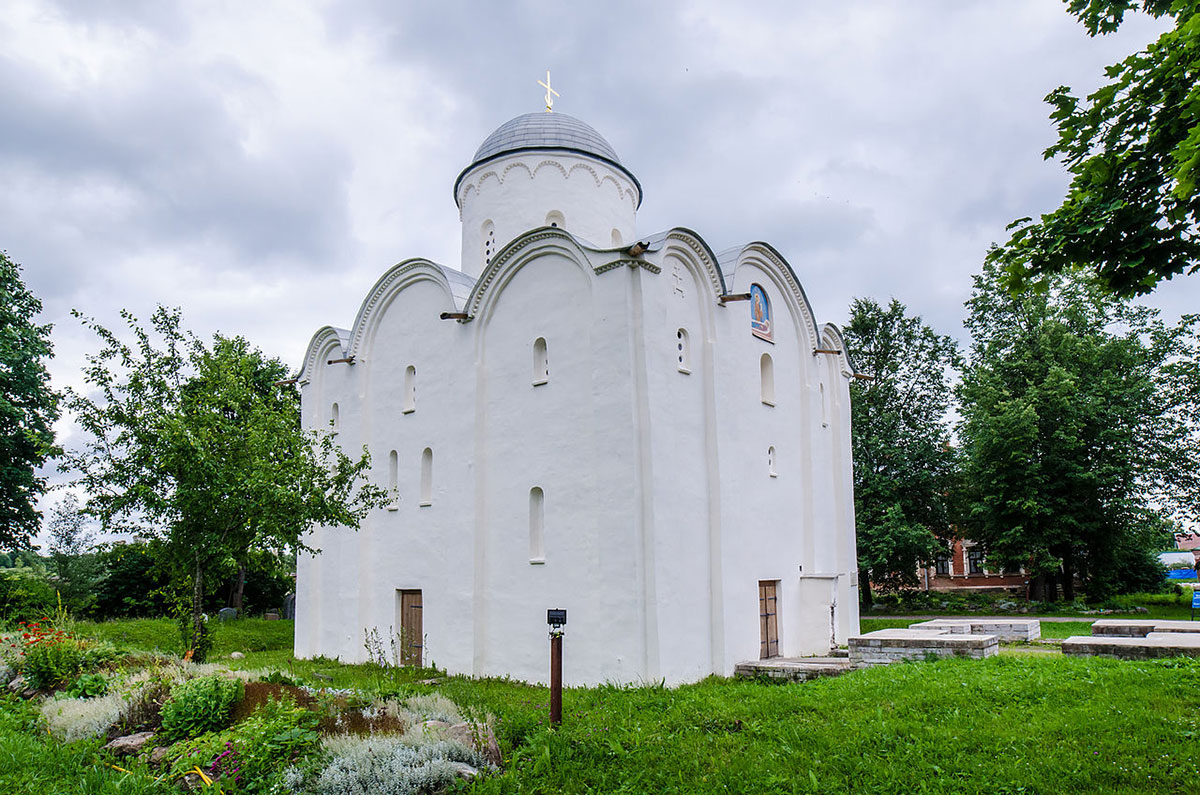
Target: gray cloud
{"x":261,"y":164}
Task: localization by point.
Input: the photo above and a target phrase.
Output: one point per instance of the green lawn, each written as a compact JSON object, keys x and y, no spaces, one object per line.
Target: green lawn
{"x":162,"y":634}
{"x":1015,"y":723}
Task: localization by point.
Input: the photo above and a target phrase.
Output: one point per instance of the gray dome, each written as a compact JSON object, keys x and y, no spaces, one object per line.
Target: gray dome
{"x":546,"y":131}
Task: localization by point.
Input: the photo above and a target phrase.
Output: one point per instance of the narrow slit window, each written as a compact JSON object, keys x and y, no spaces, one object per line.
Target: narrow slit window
{"x":617,"y":239}
{"x":682,"y":351}
{"x":537,"y":521}
{"x":541,"y":364}
{"x":427,"y":477}
{"x":410,"y":390}
{"x":767,"y":373}
{"x":824,"y":407}
{"x":489,"y":241}
{"x":335,"y":420}
{"x":771,"y":462}
{"x":393,"y":481}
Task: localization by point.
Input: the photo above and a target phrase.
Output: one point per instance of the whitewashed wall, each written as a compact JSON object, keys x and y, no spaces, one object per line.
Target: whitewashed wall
{"x":661,"y":515}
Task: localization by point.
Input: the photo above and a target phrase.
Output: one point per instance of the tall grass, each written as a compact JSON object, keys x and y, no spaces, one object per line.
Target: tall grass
{"x":33,"y":763}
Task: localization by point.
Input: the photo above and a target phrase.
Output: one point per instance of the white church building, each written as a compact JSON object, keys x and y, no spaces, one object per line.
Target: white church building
{"x":651,"y":435}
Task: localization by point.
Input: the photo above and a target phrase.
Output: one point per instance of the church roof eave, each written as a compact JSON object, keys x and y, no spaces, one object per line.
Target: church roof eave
{"x":543,"y":148}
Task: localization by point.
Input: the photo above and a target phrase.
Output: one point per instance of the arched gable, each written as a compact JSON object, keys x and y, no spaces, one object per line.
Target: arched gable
{"x":511,"y":258}
{"x":692,"y":249}
{"x":766,"y":257}
{"x":832,"y":339}
{"x":397,"y":278}
{"x":328,"y":343}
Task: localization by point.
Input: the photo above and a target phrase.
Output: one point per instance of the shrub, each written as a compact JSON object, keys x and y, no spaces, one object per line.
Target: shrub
{"x":252,"y":754}
{"x":25,"y":593}
{"x":385,"y":766}
{"x":198,"y":642}
{"x":50,"y":657}
{"x":199,"y":705}
{"x":88,"y":686}
{"x":73,"y":719}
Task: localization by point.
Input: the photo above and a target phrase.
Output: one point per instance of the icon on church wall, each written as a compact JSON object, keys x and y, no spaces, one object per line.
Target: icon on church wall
{"x":760,"y":313}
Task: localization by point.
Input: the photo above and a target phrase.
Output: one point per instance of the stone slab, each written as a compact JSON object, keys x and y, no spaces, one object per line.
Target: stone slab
{"x":1155,"y":644}
{"x":891,"y":645}
{"x":1005,"y":629}
{"x":1135,"y":628}
{"x":796,"y":669}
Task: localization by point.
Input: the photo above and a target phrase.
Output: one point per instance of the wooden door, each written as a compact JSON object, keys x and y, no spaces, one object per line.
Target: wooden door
{"x":768,"y":621}
{"x":411,"y":635}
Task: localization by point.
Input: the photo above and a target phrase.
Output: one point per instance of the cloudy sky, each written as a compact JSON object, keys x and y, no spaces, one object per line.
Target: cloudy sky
{"x":261,"y":164}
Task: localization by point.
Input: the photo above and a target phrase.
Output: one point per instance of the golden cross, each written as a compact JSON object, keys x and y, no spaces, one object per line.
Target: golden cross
{"x":549,"y":92}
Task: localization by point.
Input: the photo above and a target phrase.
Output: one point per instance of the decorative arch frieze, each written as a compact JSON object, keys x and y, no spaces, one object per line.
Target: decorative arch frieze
{"x":566,"y":173}
{"x":625,"y":191}
{"x":529,"y":172}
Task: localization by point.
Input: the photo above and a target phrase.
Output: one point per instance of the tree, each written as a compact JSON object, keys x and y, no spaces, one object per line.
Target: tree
{"x":903,"y":461}
{"x":70,"y":540}
{"x":1178,"y":381}
{"x":200,"y":449}
{"x":1062,"y":432}
{"x":1132,"y":212}
{"x":28,"y":407}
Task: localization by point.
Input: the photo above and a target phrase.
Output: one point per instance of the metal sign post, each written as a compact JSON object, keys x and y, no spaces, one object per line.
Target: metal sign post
{"x":557,"y":619}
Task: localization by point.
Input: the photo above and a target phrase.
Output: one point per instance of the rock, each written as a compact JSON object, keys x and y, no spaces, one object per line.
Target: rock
{"x":434,"y":725}
{"x":158,"y":755}
{"x":17,"y":684}
{"x":878,"y":608}
{"x":130,"y":744}
{"x":191,"y":783}
{"x":1006,"y":605}
{"x":1140,"y":609}
{"x":478,"y":736}
{"x":237,"y":655}
{"x":464,"y":771}
{"x":434,"y":681}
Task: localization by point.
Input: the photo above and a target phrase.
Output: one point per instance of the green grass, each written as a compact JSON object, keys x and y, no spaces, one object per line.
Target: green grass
{"x":31,"y":763}
{"x":1018,"y":723}
{"x":1015,"y":723}
{"x":162,"y":634}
